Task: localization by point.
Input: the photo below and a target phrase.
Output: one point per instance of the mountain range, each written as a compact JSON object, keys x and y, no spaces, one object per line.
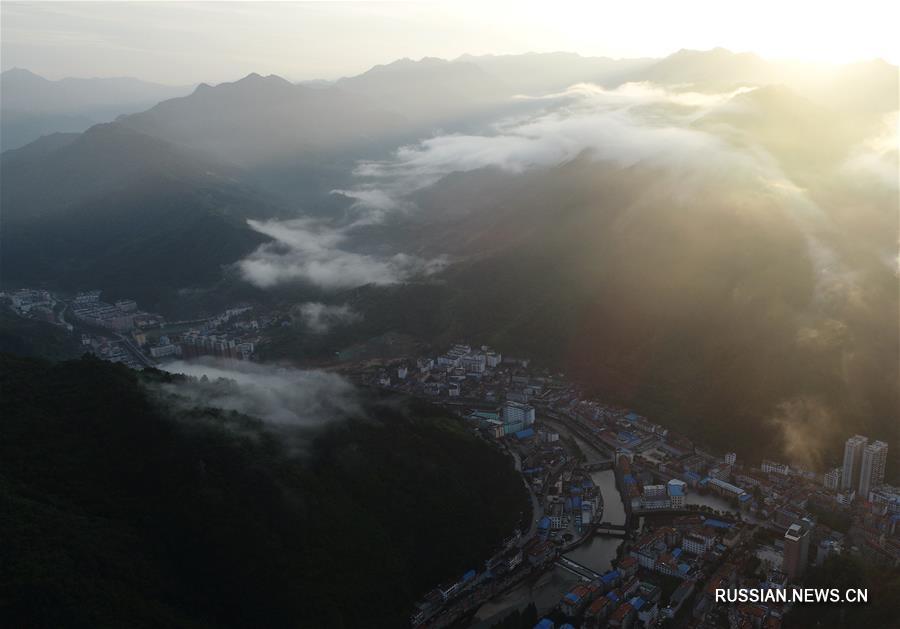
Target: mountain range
{"x":32,"y":106}
{"x":710,"y":237}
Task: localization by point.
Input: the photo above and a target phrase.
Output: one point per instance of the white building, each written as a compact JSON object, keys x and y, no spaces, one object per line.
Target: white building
{"x":773,"y":466}
{"x":726,"y":489}
{"x":696,"y":544}
{"x":162,"y":351}
{"x":730,"y":458}
{"x":853,"y":450}
{"x":832,"y":479}
{"x":127,"y":305}
{"x":473,"y":363}
{"x":845,"y":497}
{"x":871,"y":473}
{"x":517,"y":413}
{"x":677,"y":489}
{"x":887,"y":496}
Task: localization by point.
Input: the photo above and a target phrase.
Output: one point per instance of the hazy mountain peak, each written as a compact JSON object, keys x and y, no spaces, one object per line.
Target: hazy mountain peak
{"x":21,"y":72}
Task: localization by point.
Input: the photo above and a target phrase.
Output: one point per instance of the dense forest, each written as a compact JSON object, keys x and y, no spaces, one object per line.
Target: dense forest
{"x":846,"y":572}
{"x":122,"y":509}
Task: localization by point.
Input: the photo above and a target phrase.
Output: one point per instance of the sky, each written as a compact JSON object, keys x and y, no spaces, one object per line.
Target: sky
{"x":188,"y":42}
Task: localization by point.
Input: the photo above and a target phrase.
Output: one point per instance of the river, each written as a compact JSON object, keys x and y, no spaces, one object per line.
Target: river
{"x":597,"y":554}
{"x":710,"y":500}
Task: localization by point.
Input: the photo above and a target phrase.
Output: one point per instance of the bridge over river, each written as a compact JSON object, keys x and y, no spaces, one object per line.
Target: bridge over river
{"x":580,"y":570}
{"x":607,"y":528}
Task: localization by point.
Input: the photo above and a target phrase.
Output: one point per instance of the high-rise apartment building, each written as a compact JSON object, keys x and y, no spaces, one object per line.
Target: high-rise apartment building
{"x":853,"y":450}
{"x":871,"y":473}
{"x":796,"y":550}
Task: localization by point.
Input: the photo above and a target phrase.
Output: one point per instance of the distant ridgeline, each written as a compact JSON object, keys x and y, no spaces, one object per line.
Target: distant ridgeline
{"x":119,"y":511}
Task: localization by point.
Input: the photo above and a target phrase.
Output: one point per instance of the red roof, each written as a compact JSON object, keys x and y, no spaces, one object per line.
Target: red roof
{"x":621,"y":612}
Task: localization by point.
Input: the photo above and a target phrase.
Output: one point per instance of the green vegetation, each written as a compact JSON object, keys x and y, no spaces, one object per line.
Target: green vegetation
{"x":844,"y":572}
{"x":120,"y":511}
{"x":38,"y":339}
{"x":837,"y":520}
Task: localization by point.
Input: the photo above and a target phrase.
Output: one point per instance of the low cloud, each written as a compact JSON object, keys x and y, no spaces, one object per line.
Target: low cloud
{"x":310,"y":251}
{"x":635,"y":123}
{"x":878,"y":157}
{"x":320,"y":318}
{"x":281,"y":396}
{"x":806,"y":428}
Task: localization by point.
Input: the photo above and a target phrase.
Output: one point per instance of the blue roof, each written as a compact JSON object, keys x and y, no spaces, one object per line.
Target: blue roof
{"x":637,"y":602}
{"x":572,"y":596}
{"x":744,"y":497}
{"x":676,"y":552}
{"x":632,"y":417}
{"x":628,"y":478}
{"x":612,"y":596}
{"x":676,"y":490}
{"x":528,"y":433}
{"x":544,"y":523}
{"x":575,"y":490}
{"x":612,"y":575}
{"x":566,"y":626}
{"x":468,"y":576}
{"x":587,"y":484}
{"x":718,"y":524}
{"x":692,"y":475}
{"x":544,"y":623}
{"x":576,"y":502}
{"x":683,"y":568}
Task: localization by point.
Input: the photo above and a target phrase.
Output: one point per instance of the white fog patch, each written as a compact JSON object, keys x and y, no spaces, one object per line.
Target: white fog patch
{"x":306,"y":250}
{"x":278,"y":395}
{"x":879,"y":158}
{"x":635,"y":123}
{"x":319,"y":318}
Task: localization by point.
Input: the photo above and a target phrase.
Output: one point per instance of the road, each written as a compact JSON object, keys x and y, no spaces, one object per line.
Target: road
{"x":135,"y":351}
{"x":537,"y":512}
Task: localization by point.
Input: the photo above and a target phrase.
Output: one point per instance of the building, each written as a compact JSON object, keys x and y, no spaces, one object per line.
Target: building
{"x":574,"y":600}
{"x":853,"y":450}
{"x":871,"y":474}
{"x":730,"y":458}
{"x":127,"y":305}
{"x":676,"y":489}
{"x":517,"y":415}
{"x":161,"y":351}
{"x":796,"y":550}
{"x":845,"y":497}
{"x":726,"y":489}
{"x":886,"y":496}
{"x":697,"y":543}
{"x":832,"y":479}
{"x":473,"y":363}
{"x":774,"y":467}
